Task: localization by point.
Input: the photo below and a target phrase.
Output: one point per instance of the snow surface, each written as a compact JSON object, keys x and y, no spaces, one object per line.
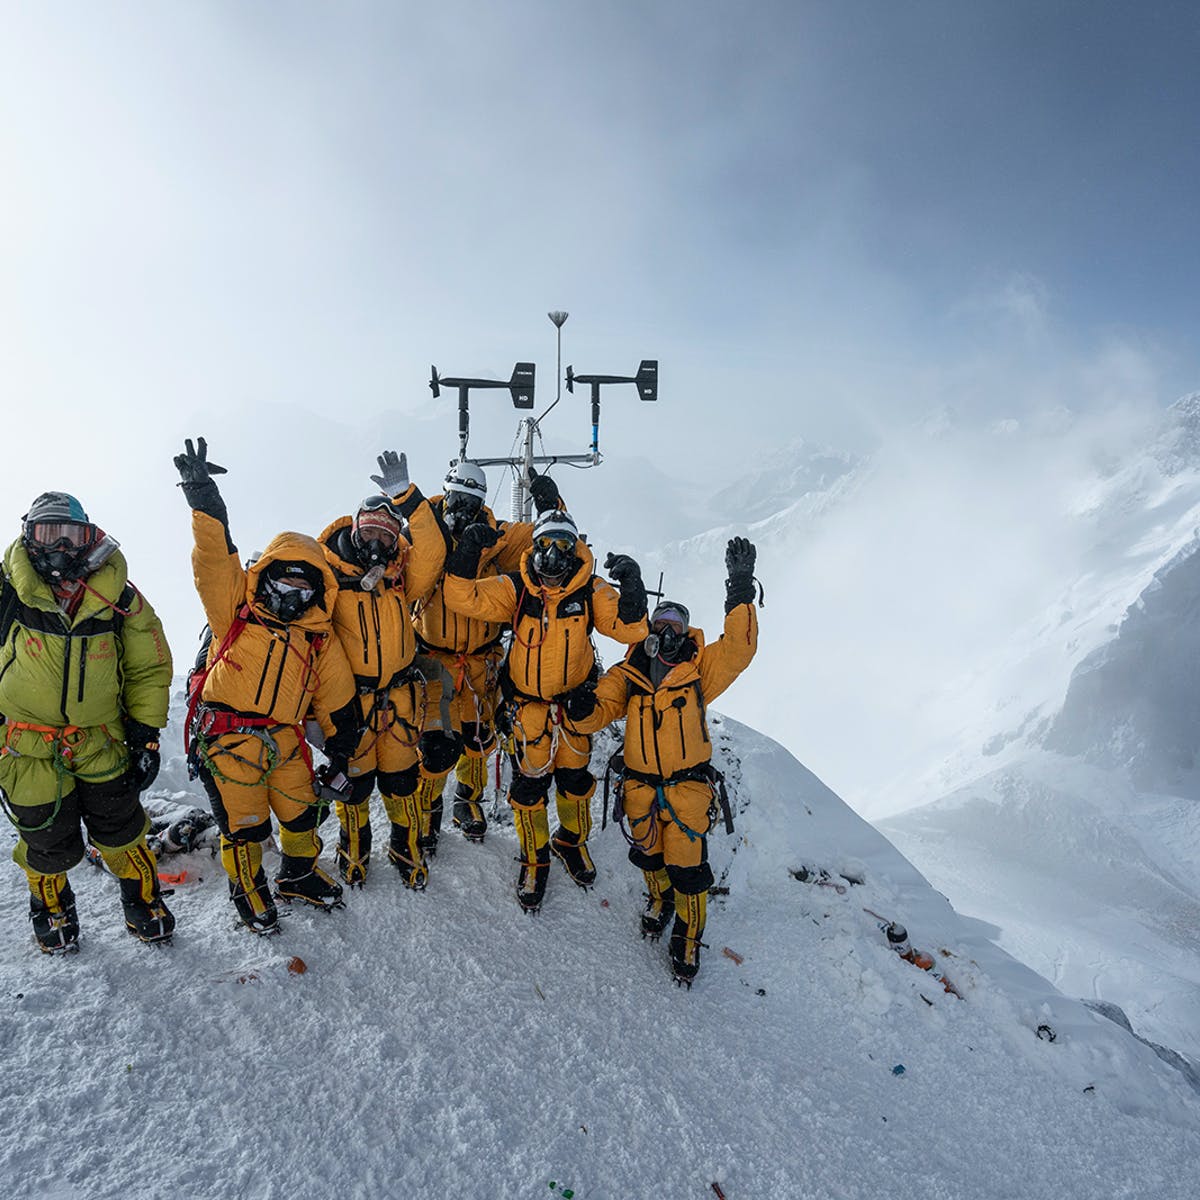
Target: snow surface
{"x":446,"y":1044}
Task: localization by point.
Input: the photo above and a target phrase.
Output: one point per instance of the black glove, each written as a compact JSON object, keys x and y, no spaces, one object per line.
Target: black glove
{"x":348,"y":726}
{"x":544,"y":491}
{"x":463,"y":560}
{"x":632,"y":605}
{"x":580,"y":703}
{"x":144,"y":757}
{"x":739,"y":566}
{"x":332,"y":781}
{"x":195,"y":477}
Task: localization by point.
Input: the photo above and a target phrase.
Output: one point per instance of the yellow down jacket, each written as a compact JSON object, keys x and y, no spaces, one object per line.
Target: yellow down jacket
{"x":441,"y":628}
{"x":551,"y":651}
{"x":666,"y":730}
{"x":271,"y":669}
{"x":374,"y":627}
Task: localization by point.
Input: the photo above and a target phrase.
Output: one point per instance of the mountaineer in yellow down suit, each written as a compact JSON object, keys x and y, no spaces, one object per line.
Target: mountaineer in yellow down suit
{"x":663,"y":689}
{"x":552,"y":601}
{"x":85,"y":676}
{"x":380,"y":573}
{"x":273,"y":658}
{"x":469,"y":652}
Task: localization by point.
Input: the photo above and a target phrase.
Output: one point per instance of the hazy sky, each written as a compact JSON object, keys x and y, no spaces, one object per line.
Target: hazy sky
{"x":264,"y":221}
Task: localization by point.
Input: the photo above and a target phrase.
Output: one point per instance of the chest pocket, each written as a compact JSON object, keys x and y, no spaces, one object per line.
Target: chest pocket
{"x":671,"y":730}
{"x":550,"y":657}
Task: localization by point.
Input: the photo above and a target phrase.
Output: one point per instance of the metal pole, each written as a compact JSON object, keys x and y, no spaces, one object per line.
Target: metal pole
{"x":526,"y":467}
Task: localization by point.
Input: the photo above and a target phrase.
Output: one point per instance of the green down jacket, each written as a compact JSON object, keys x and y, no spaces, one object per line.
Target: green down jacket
{"x":77,"y":679}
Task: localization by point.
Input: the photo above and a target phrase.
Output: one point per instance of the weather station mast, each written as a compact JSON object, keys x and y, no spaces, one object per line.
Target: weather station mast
{"x":521,"y":390}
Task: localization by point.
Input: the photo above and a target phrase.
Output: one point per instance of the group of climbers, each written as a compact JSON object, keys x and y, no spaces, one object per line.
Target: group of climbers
{"x":405,"y":641}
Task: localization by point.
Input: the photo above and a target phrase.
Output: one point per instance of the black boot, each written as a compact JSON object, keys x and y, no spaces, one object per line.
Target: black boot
{"x":573,"y":854}
{"x":531,"y":882}
{"x":56,"y":929}
{"x":428,"y":842}
{"x":302,"y":879}
{"x":657,"y":914}
{"x":413,"y":869}
{"x":468,"y":814}
{"x":149,"y":920}
{"x":256,"y":908}
{"x":684,"y":949}
{"x":352,"y":869}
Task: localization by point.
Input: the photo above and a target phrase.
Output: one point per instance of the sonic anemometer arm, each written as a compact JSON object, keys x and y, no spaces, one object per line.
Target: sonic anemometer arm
{"x":646,"y":380}
{"x":520,"y":388}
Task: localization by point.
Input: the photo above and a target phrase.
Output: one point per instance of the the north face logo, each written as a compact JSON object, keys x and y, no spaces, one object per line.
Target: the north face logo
{"x":574,"y":609}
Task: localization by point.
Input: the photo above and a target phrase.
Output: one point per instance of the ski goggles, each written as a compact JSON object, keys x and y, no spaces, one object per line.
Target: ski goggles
{"x":56,"y":533}
{"x":669,"y":618}
{"x":554,"y":541}
{"x":295,"y":586}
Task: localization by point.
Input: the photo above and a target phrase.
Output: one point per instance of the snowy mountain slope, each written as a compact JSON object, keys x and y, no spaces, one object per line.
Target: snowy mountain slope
{"x":1090,"y":882}
{"x":1134,"y":703}
{"x":1084,"y":853}
{"x":445,"y":1044}
{"x":935,"y":601}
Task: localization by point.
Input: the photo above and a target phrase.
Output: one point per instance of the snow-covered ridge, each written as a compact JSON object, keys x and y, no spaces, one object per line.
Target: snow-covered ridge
{"x":453,"y":1045}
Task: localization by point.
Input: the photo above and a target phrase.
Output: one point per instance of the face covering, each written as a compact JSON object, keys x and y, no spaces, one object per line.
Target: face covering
{"x":287,"y":598}
{"x":460,"y":509}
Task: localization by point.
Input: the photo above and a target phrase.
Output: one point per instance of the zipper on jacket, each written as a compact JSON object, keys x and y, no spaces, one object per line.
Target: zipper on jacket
{"x":66,"y":683}
{"x":378,"y":638}
{"x":642,"y":732}
{"x":262,"y":679}
{"x":279,"y":673}
{"x":362,"y":632}
{"x":566,"y":656}
{"x":82,"y":667}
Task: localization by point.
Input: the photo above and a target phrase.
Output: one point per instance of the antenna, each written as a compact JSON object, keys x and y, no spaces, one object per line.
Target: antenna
{"x":520,"y":387}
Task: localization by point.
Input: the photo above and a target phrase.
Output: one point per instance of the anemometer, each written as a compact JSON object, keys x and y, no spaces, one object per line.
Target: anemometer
{"x":521,"y":388}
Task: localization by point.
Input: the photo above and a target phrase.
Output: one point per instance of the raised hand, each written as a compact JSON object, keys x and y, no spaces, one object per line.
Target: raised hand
{"x":631,"y":606}
{"x":622,"y":568}
{"x":193,"y":465}
{"x":739,"y":567}
{"x":544,"y":491}
{"x":392,"y":479}
{"x":739,"y":558}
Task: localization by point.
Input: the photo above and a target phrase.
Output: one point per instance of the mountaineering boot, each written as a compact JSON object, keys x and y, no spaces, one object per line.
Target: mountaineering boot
{"x":468,"y":815}
{"x":471,"y":776}
{"x":146,"y":916}
{"x":148,"y":920}
{"x":52,"y":911}
{"x":531,"y":882}
{"x":404,"y":853}
{"x":353,"y":855}
{"x":684,"y":949}
{"x":302,"y":879}
{"x":248,"y":886}
{"x":429,"y":804}
{"x":573,"y":854}
{"x":660,"y":904}
{"x":533,"y":834}
{"x":254,"y":905}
